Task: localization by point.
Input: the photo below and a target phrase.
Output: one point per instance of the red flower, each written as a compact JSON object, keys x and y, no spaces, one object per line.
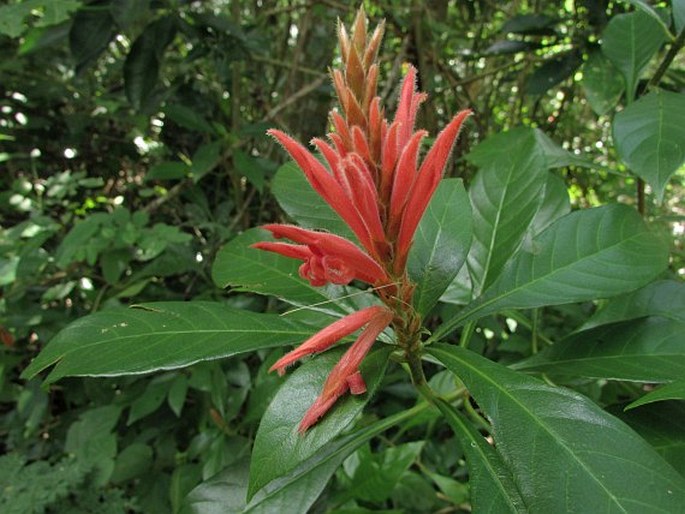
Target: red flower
{"x":334,"y":332}
{"x":345,"y":376}
{"x":327,"y":257}
{"x":374,"y":182}
{"x":424,"y":184}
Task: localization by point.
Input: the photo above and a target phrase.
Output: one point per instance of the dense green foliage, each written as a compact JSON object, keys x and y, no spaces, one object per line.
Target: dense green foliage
{"x":550,"y":273}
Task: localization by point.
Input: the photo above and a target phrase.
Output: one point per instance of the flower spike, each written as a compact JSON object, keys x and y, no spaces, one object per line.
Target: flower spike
{"x":370,"y":176}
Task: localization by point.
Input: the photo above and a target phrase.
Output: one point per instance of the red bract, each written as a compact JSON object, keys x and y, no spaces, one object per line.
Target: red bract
{"x":345,"y":375}
{"x":372,"y":179}
{"x":328,"y":258}
{"x":333,"y":333}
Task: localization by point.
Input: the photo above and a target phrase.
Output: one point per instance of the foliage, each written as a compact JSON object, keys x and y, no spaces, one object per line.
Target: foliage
{"x":549,"y":274}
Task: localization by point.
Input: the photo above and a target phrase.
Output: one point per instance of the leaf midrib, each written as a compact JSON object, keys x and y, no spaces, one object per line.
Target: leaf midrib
{"x":531,"y":415}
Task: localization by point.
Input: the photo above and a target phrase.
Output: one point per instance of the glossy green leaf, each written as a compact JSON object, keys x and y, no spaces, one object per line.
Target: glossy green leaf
{"x":249,"y":269}
{"x":649,"y":135}
{"x":141,"y":68}
{"x":555,"y":204}
{"x":588,"y":254}
{"x":561,"y":447}
{"x":647,"y":8}
{"x":279,"y":447}
{"x":602,"y":83}
{"x":630,"y":41}
{"x":647,"y":350}
{"x":663,"y":426}
{"x":295,"y":492}
{"x":672,"y":391}
{"x":441,"y":243}
{"x":505,"y":195}
{"x":665,"y":298}
{"x":490,"y":480}
{"x":297,"y":198}
{"x":156,"y":336}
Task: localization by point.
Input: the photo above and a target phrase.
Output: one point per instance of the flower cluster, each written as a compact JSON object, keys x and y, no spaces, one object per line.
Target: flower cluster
{"x":372,"y":179}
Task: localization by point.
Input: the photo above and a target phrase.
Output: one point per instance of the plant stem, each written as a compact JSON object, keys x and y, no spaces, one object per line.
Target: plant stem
{"x":668,"y":58}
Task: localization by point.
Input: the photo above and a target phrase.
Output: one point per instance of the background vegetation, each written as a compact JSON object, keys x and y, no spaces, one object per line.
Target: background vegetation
{"x":133,"y":147}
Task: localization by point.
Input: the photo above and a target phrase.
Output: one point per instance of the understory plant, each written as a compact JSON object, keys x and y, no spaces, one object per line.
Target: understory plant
{"x":423,"y":270}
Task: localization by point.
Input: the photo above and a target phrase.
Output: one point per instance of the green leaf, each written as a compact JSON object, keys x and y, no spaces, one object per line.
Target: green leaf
{"x":630,"y":41}
{"x":678,"y":14}
{"x":177,"y":394}
{"x":650,"y":11}
{"x":278,"y":446}
{"x":263,"y":272}
{"x":376,"y":474}
{"x":90,"y":34}
{"x":168,"y":170}
{"x":151,"y":399}
{"x":92,"y":441}
{"x":530,"y":24}
{"x":205,"y":159}
{"x":672,"y":391}
{"x":490,"y":480}
{"x":602,"y":83}
{"x":665,"y":298}
{"x":141,"y":68}
{"x":555,"y":204}
{"x":649,"y":135}
{"x":156,"y":336}
{"x":599,"y":464}
{"x":13,"y":17}
{"x":250,"y":167}
{"x":132,"y":462}
{"x":441,"y":243}
{"x":505,"y":195}
{"x":663,"y":426}
{"x":647,"y":350}
{"x":588,"y":254}
{"x":75,"y":244}
{"x":188,"y":118}
{"x":295,"y":492}
{"x":224,"y":493}
{"x":297,"y":198}
{"x":553,"y":71}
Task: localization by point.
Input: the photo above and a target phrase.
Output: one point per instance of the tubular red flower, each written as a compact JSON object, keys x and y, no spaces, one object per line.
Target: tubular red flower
{"x":424,"y":186}
{"x":337,"y":259}
{"x":326,"y":186}
{"x":408,"y":107}
{"x":345,"y":376}
{"x":404,"y":176}
{"x":327,"y":337}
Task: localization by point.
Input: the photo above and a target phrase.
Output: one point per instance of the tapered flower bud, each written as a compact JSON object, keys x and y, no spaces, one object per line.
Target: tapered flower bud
{"x":330,"y":335}
{"x":425,"y":184}
{"x":345,"y":376}
{"x":328,"y":258}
